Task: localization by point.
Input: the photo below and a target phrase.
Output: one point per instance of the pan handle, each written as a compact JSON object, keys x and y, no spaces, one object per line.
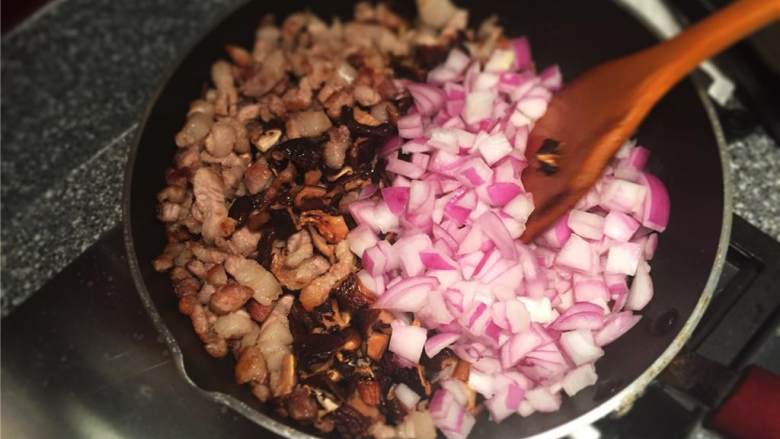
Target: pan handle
{"x":752,"y":410}
{"x":744,"y":404}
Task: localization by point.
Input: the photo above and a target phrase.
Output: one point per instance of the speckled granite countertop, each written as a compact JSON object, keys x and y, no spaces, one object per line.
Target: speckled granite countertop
{"x":76,"y":77}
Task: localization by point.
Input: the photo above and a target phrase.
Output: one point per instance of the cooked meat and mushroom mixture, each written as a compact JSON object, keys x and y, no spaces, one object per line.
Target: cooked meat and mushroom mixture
{"x":270,"y":157}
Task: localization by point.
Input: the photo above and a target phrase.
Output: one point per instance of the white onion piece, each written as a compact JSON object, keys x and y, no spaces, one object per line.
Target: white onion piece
{"x":620,"y":226}
{"x":408,"y":397}
{"x":580,"y":347}
{"x":576,"y":255}
{"x":655,"y":210}
{"x":622,"y":195}
{"x":585,"y":224}
{"x":438,"y":342}
{"x":616,"y":325}
{"x":579,"y":378}
{"x":539,"y":309}
{"x":481,"y":383}
{"x":479,"y":106}
{"x":641,"y":289}
{"x":541,"y":399}
{"x":525,"y":409}
{"x":623,"y":258}
{"x":407,"y":342}
{"x":505,"y":402}
{"x":361,"y":238}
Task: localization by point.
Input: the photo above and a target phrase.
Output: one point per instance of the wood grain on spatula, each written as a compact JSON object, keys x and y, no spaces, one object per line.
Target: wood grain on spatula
{"x":587,"y":122}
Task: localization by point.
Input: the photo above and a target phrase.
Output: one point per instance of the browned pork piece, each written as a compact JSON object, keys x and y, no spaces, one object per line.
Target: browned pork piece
{"x":256,"y":213}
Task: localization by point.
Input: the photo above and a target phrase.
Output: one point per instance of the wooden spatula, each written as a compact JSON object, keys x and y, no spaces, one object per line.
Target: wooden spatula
{"x":587,"y":122}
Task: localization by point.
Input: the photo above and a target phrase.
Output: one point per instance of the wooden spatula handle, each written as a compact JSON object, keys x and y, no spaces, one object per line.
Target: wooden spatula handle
{"x":711,"y":35}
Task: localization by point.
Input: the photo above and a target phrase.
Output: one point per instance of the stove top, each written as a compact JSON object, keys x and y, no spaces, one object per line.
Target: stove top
{"x":82,"y":359}
{"x":741,"y":327}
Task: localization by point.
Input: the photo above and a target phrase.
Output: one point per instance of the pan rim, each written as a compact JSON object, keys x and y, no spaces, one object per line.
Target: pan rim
{"x":621,"y":401}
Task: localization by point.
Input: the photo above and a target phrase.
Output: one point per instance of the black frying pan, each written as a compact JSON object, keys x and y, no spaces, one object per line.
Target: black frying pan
{"x":686,"y":154}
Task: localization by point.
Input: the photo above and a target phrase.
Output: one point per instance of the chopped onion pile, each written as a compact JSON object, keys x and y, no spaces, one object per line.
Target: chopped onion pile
{"x":530,"y":319}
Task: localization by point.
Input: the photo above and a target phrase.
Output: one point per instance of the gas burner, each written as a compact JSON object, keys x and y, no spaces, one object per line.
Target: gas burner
{"x":738,"y":330}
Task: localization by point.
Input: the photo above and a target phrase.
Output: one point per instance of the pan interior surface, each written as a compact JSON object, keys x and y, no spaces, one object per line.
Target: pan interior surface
{"x":575,"y":35}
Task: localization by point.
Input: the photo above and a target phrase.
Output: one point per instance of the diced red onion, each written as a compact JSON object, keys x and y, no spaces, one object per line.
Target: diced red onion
{"x":505,"y":402}
{"x":650,"y":246}
{"x":615,"y":325}
{"x":444,"y":139}
{"x":457,"y":61}
{"x":517,"y":317}
{"x":438,"y":342}
{"x":382,"y":219}
{"x":622,"y":195}
{"x":474,"y":172}
{"x":557,"y":235}
{"x":520,"y":207}
{"x":641,"y":289}
{"x":542,"y":399}
{"x":587,"y":225}
{"x":441,"y":74}
{"x":616,"y":283}
{"x":539,"y":309}
{"x":532,"y":107}
{"x":552,"y":78}
{"x":494,"y":228}
{"x":620,"y":226}
{"x":437,"y":261}
{"x":522,"y":49}
{"x":479,"y":106}
{"x":575,"y":255}
{"x":655,"y":213}
{"x":404,"y":168}
{"x":530,"y":319}
{"x":396,"y":198}
{"x":428,"y":99}
{"x":580,"y":346}
{"x":409,"y":248}
{"x":408,"y":397}
{"x":486,"y":81}
{"x":481,"y":382}
{"x":582,"y":320}
{"x":579,"y":378}
{"x":590,"y":290}
{"x":517,"y":347}
{"x":623,"y":257}
{"x":374,"y":261}
{"x":361,"y":238}
{"x":407,"y":341}
{"x":493,"y":147}
{"x":410,"y":126}
{"x":375,"y":284}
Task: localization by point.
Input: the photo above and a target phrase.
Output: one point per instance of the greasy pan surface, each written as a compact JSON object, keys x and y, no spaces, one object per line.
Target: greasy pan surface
{"x":577,"y":35}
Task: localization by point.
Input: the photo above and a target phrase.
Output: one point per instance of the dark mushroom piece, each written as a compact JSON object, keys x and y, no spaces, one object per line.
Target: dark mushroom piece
{"x":358,"y":129}
{"x":311,"y":198}
{"x":429,"y":56}
{"x":315,"y":349}
{"x":305,"y":153}
{"x":301,"y":405}
{"x":350,"y":423}
{"x":325,"y":383}
{"x":411,"y":376}
{"x":352,"y":296}
{"x":333,"y":228}
{"x":240,"y":209}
